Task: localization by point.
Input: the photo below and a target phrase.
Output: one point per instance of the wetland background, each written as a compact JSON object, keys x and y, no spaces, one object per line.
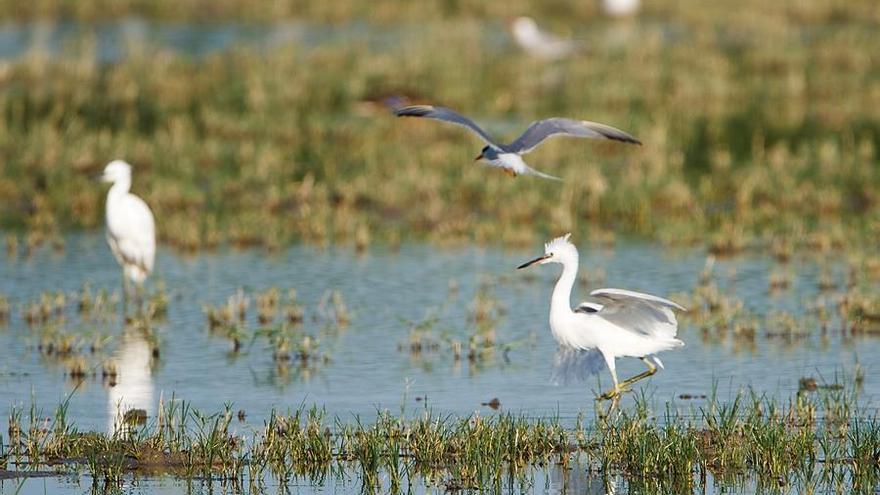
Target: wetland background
{"x":317,"y":252}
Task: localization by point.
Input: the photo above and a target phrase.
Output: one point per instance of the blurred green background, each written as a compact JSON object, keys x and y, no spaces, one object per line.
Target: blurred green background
{"x":262,"y":124}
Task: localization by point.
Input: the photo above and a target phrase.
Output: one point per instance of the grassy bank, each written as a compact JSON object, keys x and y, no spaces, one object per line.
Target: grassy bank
{"x":814,"y":11}
{"x":815,"y":439}
{"x":756,"y":133}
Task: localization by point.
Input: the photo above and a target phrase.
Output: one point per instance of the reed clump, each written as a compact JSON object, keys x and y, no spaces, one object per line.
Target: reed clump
{"x":861,"y":311}
{"x":475,"y":338}
{"x":76,"y":332}
{"x":281,"y":326}
{"x":4,"y":309}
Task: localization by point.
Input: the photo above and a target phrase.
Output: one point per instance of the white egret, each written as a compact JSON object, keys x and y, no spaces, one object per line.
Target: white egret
{"x":624,"y":323}
{"x":131,"y":230}
{"x":538,"y":43}
{"x":508,"y":157}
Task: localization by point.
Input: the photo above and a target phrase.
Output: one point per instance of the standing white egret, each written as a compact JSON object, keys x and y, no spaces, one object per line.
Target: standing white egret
{"x":131,"y":230}
{"x":626,"y":323}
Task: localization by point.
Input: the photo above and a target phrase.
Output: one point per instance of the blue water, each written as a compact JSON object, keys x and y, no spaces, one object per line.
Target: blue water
{"x":385,"y":292}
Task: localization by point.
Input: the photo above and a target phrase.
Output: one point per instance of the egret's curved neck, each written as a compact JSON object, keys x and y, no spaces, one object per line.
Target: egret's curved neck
{"x":560,"y":302}
{"x":120,"y":187}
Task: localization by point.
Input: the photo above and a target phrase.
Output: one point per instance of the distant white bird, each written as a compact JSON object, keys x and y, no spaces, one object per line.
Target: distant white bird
{"x":626,"y":323}
{"x":131,"y":230}
{"x":508,"y":157}
{"x":620,"y":8}
{"x":538,"y":43}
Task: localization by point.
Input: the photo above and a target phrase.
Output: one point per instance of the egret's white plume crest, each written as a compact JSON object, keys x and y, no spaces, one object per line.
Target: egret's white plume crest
{"x":560,"y":242}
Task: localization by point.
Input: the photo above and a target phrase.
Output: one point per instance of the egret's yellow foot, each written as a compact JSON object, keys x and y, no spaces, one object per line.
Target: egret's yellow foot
{"x":645,"y":374}
{"x":614,"y":392}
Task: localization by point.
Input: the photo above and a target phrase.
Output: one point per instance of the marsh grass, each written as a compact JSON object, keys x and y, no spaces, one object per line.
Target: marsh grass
{"x":815,"y":437}
{"x":293,"y":336}
{"x":845,"y":306}
{"x":76,"y":332}
{"x":749,"y":143}
{"x":4,"y":309}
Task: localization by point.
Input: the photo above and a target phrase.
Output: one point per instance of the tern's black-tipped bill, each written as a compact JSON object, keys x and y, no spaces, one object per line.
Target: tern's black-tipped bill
{"x":530,"y":263}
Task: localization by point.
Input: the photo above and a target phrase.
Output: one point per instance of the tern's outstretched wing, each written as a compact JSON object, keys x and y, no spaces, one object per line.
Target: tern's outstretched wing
{"x":637,"y":312}
{"x":543,"y":129}
{"x":444,"y":114}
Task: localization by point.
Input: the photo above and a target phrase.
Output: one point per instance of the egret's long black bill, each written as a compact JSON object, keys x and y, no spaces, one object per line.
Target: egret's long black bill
{"x":530,"y":263}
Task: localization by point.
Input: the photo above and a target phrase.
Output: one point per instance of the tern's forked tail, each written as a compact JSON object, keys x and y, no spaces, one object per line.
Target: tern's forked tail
{"x":531,"y":171}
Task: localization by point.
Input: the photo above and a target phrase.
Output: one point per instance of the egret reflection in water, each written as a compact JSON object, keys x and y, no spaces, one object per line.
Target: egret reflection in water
{"x":564,"y":480}
{"x":132,"y":394}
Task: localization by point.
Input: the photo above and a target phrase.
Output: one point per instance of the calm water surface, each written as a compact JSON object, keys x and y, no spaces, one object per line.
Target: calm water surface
{"x":385,"y":292}
{"x":114,"y":40}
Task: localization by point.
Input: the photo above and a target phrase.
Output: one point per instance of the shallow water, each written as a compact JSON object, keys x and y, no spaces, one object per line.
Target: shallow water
{"x":384,"y":291}
{"x":553,"y":480}
{"x":113,"y":40}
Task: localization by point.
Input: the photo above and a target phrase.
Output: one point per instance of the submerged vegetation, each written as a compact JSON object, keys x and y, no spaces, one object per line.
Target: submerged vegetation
{"x":761,"y":132}
{"x":818,"y":438}
{"x":282,"y":325}
{"x":76,"y":331}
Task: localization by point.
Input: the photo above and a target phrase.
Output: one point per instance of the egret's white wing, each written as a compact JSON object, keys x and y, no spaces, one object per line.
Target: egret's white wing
{"x":114,"y":248}
{"x":446,"y":115}
{"x":575,"y":365}
{"x":543,"y":129}
{"x":625,"y":295}
{"x":637,"y":312}
{"x":132,"y":229}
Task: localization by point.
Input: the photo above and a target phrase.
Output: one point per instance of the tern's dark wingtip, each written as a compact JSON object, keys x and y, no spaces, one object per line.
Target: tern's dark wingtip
{"x":413,"y":111}
{"x":626,"y":138}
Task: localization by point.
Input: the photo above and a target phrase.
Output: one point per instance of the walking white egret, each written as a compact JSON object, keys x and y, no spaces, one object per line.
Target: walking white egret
{"x":508,"y":157}
{"x":624,"y":323}
{"x":131,"y":230}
